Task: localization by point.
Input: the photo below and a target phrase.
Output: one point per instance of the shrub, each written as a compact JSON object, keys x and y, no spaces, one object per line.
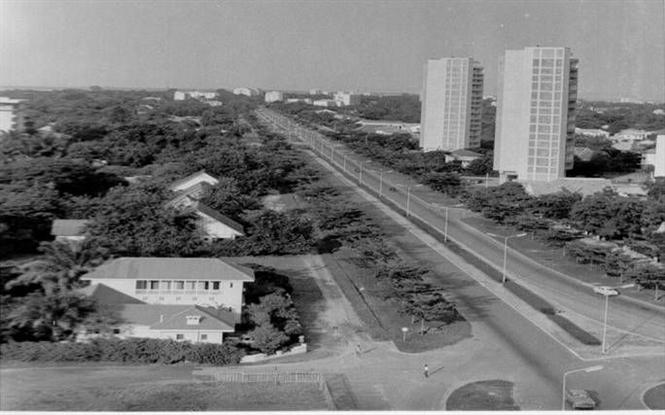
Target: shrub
{"x":135,"y":350}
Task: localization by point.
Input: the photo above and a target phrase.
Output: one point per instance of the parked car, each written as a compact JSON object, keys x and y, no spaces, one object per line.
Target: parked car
{"x":580,"y":399}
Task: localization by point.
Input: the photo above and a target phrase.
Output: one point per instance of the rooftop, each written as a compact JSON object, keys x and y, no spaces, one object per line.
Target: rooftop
{"x":171,"y":269}
{"x":202,"y":175}
{"x":174,"y":317}
{"x":69,"y":227}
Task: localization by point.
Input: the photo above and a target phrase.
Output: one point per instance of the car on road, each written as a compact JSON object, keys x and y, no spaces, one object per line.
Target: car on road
{"x":604,"y":290}
{"x":580,"y":399}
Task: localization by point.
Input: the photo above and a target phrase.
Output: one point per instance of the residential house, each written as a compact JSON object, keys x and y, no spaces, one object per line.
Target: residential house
{"x":192,"y":180}
{"x":208,"y":282}
{"x":630,"y":134}
{"x":344,"y":99}
{"x":189,"y":192}
{"x":70,"y":231}
{"x":592,"y":132}
{"x":324,"y":103}
{"x":465,"y":156}
{"x":183,"y":299}
{"x":249,"y":92}
{"x":274,"y":96}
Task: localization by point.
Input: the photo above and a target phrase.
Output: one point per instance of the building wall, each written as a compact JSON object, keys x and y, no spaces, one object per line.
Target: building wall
{"x":451,"y":104}
{"x":136,"y":330}
{"x":535,"y":114}
{"x":230,"y":293}
{"x":11,"y":115}
{"x":274,"y":96}
{"x":659,"y":164}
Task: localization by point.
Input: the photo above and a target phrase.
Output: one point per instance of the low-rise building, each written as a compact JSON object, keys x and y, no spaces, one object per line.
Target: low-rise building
{"x":659,"y":158}
{"x":297,"y":100}
{"x":192,"y":180}
{"x":465,"y":156}
{"x":274,"y":96}
{"x":249,"y":92}
{"x":344,"y":99}
{"x":70,"y":231}
{"x":11,"y":114}
{"x":592,"y":132}
{"x":208,"y":282}
{"x":630,"y":134}
{"x":324,"y":103}
{"x":583,"y":153}
{"x":199,"y":95}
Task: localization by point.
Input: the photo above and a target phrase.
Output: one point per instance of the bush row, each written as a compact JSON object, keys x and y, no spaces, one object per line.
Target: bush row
{"x":136,"y":350}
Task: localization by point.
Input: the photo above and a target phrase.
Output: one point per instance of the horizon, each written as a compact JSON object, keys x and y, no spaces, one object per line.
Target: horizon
{"x":332,"y":45}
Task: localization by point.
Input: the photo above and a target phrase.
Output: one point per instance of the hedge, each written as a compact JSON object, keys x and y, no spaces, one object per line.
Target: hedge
{"x":135,"y":350}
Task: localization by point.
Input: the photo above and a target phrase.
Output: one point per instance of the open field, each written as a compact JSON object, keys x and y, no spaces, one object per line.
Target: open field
{"x":143,"y":388}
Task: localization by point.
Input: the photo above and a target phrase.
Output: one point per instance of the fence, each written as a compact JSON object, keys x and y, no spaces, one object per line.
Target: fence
{"x":268,"y":377}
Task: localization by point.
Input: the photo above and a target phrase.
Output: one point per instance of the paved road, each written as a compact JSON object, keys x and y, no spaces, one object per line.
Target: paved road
{"x":505,"y":346}
{"x":565,"y":292}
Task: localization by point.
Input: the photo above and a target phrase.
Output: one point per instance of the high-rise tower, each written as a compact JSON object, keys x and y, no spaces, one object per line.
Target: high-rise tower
{"x":451,"y":103}
{"x":535,"y":127}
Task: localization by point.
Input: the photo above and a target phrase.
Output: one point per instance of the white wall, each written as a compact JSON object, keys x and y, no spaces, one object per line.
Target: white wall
{"x":215,"y":229}
{"x":229,"y":294}
{"x":659,"y":164}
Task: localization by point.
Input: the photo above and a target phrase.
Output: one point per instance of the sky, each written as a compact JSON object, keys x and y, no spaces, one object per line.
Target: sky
{"x":362,"y":45}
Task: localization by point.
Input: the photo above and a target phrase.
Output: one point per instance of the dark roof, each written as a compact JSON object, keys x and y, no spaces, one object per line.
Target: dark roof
{"x":68,"y":227}
{"x":171,"y":269}
{"x":174,"y":317}
{"x":186,"y":179}
{"x":207,"y":210}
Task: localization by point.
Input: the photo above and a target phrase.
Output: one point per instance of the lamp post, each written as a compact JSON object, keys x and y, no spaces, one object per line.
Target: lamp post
{"x":608,"y":292}
{"x":563,"y":384}
{"x":505,"y":251}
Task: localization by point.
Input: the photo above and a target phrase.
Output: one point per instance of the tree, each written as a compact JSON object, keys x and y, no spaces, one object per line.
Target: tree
{"x":449,"y":183}
{"x":136,"y":221}
{"x":225,"y":197}
{"x":482,"y":166}
{"x":279,"y":233}
{"x":554,"y":205}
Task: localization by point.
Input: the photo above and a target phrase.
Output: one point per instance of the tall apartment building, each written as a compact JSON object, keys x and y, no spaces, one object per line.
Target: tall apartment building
{"x":451,"y":104}
{"x":535,"y":128}
{"x":659,"y":159}
{"x":11,"y":114}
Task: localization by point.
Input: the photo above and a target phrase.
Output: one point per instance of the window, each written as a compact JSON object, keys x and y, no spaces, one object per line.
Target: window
{"x":165,"y":285}
{"x":203,"y":285}
{"x":204,"y":337}
{"x":116,"y":331}
{"x":190,"y":285}
{"x":179,"y":285}
{"x":141,"y":285}
{"x":193,"y":320}
{"x":180,"y":337}
{"x":215,"y":285}
{"x":231,"y":285}
{"x":154,"y":285}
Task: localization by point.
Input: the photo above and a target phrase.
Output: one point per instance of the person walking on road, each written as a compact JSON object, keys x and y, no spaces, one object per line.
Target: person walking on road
{"x":426,"y":371}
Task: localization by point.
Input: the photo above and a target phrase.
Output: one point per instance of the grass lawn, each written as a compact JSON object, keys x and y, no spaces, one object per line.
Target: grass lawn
{"x":654,"y":398}
{"x":143,"y":388}
{"x":487,"y":395}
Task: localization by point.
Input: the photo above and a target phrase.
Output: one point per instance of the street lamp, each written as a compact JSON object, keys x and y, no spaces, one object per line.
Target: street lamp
{"x":608,"y":292}
{"x":563,"y":387}
{"x":505,"y":251}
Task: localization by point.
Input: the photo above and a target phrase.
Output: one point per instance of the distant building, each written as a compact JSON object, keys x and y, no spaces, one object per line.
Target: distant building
{"x":582,"y":185}
{"x":70,"y":231}
{"x":631,"y":134}
{"x":274,"y":96}
{"x":536,"y":114}
{"x":451,"y":104}
{"x":659,"y":111}
{"x":11,"y":114}
{"x":659,"y":161}
{"x":388,"y":127}
{"x":592,"y":132}
{"x":198,"y":95}
{"x":583,"y":153}
{"x":465,"y":156}
{"x":315,"y":92}
{"x":250,"y":92}
{"x":297,"y":100}
{"x":627,"y":100}
{"x":344,"y":99}
{"x":324,"y":103}
{"x":192,"y":180}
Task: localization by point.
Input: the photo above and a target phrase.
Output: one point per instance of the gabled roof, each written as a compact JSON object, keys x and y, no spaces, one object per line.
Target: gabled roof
{"x":171,"y":269}
{"x":208,"y":211}
{"x":104,"y":294}
{"x":173,"y":317}
{"x":201,"y":175}
{"x":69,"y":227}
{"x":583,"y":153}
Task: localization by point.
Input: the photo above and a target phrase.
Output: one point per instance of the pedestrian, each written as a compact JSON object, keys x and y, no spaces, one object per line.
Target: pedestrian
{"x":358,"y":350}
{"x":426,"y":370}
